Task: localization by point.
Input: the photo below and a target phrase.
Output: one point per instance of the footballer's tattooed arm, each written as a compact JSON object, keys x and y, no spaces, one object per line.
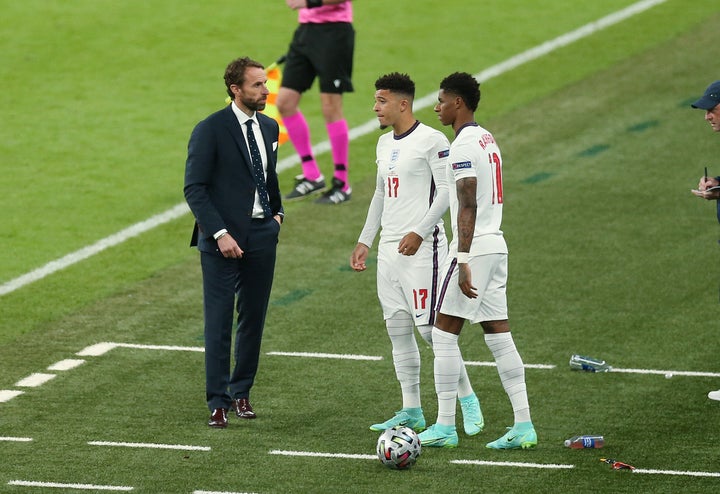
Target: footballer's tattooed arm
{"x":467,"y":210}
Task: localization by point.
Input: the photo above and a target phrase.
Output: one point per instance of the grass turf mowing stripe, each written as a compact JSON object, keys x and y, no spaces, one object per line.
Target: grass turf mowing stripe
{"x":552,"y":466}
{"x":181,"y":209}
{"x":325,"y":355}
{"x":90,"y":487}
{"x":181,"y":447}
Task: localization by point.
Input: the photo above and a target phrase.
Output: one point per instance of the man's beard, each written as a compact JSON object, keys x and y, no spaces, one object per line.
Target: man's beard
{"x":254,"y":105}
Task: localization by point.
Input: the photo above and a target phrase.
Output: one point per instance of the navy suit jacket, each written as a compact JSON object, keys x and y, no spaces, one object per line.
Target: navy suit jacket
{"x":219,"y":183}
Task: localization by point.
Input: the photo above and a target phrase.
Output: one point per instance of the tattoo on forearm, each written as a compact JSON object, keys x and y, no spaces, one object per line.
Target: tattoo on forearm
{"x":467,"y":201}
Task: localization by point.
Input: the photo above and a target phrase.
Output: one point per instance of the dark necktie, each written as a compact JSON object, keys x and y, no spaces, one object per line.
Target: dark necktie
{"x":258,"y":171}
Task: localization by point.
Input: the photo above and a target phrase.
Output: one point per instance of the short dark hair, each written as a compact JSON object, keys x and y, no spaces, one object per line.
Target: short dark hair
{"x":235,"y":72}
{"x":396,"y":82}
{"x":464,"y":85}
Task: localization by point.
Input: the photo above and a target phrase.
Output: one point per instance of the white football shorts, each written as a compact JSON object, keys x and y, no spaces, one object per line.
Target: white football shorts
{"x":489,"y":276}
{"x":410,"y":283}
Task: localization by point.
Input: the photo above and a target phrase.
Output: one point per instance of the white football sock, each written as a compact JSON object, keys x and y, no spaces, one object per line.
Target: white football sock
{"x":448,"y":364}
{"x":406,"y":357}
{"x":512,"y":372}
{"x":464,"y":386}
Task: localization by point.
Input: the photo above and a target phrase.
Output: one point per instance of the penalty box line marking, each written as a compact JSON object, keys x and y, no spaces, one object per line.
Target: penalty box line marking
{"x":677,"y":472}
{"x":518,"y":464}
{"x":91,"y":487}
{"x":511,"y":464}
{"x":220,"y":492}
{"x":99,"y":349}
{"x":314,"y":454}
{"x":181,"y":447}
{"x":181,"y":209}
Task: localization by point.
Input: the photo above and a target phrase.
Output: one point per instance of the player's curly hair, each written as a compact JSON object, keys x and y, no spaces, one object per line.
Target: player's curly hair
{"x":396,"y":83}
{"x":235,"y":72}
{"x":465,"y":86}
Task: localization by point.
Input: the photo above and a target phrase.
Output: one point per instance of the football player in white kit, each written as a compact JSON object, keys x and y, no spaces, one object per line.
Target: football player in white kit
{"x":475,"y":276}
{"x":410,"y":198}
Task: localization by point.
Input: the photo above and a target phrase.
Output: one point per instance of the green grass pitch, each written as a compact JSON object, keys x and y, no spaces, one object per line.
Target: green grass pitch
{"x":610,"y":254}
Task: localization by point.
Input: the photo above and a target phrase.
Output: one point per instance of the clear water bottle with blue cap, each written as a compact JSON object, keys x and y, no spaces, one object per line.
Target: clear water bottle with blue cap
{"x":580,"y":362}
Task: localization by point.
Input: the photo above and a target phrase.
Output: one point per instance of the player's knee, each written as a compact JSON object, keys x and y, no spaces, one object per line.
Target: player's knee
{"x":425,"y":331}
{"x":496,"y":326}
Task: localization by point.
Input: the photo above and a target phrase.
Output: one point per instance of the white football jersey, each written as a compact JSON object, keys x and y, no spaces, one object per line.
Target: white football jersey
{"x":411,"y":189}
{"x":474,"y":153}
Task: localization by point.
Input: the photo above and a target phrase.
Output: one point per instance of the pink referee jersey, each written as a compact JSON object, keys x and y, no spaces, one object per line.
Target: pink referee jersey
{"x":341,"y":12}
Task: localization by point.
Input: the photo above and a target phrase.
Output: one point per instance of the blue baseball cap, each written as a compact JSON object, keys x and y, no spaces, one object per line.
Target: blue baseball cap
{"x":710,"y":99}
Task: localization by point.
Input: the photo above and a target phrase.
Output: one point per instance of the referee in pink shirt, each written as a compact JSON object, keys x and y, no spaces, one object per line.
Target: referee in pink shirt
{"x":322,"y":47}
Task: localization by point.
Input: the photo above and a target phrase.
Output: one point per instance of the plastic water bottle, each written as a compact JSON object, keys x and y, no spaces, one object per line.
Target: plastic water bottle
{"x":580,"y":442}
{"x":579,"y":362}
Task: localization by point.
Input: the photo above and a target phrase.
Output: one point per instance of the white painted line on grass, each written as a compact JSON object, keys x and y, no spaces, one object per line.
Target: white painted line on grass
{"x":323,"y":147}
{"x":322,"y":455}
{"x":667,"y":372}
{"x":500,"y":68}
{"x":96,"y":350}
{"x":66,"y":364}
{"x":552,"y":466}
{"x":340,"y":356}
{"x":677,"y":472}
{"x":9,"y":394}
{"x":162,"y":347}
{"x":99,"y":246}
{"x":90,"y":487}
{"x":16,"y":439}
{"x":181,"y":447}
{"x":220,"y":492}
{"x":34,"y":380}
{"x":493,"y":364}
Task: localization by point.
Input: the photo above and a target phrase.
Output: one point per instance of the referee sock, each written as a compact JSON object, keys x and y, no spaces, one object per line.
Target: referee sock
{"x":448,"y":363}
{"x":339,"y":135}
{"x":406,"y":357}
{"x":299,"y":133}
{"x":512,"y":372}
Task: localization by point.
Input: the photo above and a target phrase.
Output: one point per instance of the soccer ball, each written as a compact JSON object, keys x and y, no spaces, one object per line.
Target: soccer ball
{"x":398,"y":447}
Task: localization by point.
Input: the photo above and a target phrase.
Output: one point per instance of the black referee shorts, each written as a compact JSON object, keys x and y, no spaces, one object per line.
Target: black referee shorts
{"x":324,"y":51}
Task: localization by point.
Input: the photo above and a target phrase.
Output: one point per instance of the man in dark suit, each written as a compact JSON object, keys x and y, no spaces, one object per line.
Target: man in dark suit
{"x":231,"y":186}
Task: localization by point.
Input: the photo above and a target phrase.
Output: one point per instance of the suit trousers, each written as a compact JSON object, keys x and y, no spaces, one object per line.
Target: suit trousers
{"x":244,"y":285}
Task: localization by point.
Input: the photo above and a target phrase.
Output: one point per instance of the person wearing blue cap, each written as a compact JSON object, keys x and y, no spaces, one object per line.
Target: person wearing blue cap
{"x":710,"y":102}
{"x":709,"y":187}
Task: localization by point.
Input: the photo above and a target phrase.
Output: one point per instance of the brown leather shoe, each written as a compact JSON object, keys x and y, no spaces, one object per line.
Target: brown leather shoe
{"x":218,"y":418}
{"x":243,"y":409}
